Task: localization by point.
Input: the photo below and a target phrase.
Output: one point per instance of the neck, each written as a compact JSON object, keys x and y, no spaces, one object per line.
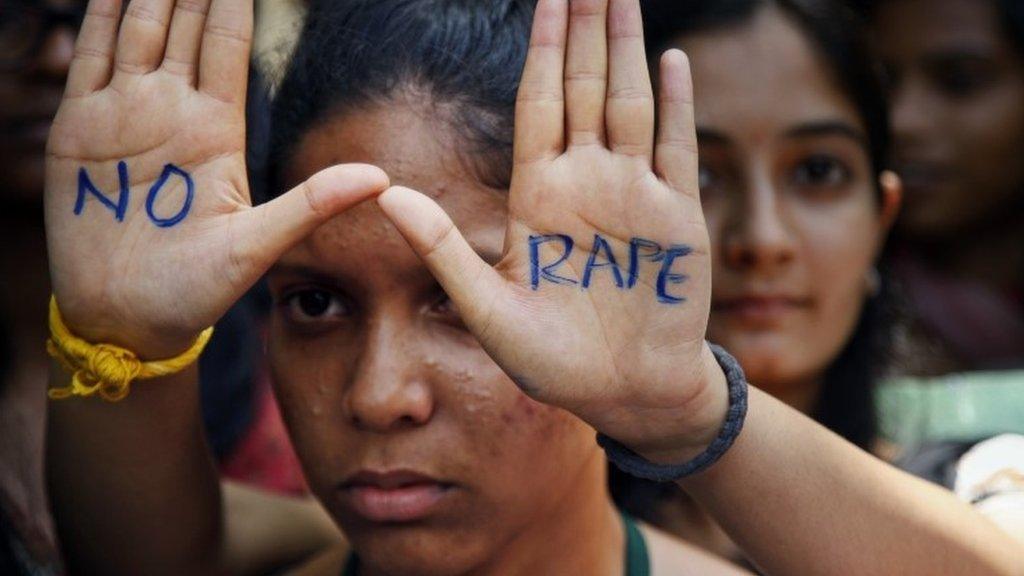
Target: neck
{"x":582,"y":535}
{"x":802,"y":395}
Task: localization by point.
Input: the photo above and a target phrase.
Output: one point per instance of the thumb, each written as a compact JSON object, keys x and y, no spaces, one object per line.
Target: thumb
{"x":265,"y":232}
{"x":472,"y":284}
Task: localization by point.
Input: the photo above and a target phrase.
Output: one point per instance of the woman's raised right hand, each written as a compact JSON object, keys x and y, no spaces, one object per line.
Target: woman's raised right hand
{"x":151,"y":230}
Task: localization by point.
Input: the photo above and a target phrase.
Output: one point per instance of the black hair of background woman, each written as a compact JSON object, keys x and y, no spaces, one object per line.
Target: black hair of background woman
{"x":1012,"y":12}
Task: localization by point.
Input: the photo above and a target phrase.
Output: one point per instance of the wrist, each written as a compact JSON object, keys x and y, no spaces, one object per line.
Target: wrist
{"x":697,"y":424}
{"x":662,"y":463}
{"x":98,"y":324}
{"x":104,"y":368}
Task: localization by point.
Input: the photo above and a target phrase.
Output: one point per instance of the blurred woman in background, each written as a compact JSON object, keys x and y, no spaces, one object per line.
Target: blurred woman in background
{"x":956,"y":77}
{"x":794,"y":140}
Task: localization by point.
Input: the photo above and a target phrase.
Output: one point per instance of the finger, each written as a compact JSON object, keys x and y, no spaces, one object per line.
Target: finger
{"x":140,"y":47}
{"x":540,"y":103}
{"x":630,"y":106}
{"x":675,"y":157}
{"x":227,"y":40}
{"x":471,"y":283}
{"x":186,"y":37}
{"x":265,"y":232}
{"x":586,"y":71}
{"x":94,"y":50}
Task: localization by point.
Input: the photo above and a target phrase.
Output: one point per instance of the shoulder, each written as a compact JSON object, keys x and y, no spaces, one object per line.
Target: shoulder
{"x":670,"y":556}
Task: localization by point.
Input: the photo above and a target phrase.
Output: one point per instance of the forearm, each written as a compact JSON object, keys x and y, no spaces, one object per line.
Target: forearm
{"x":801,"y":500}
{"x":133,"y":485}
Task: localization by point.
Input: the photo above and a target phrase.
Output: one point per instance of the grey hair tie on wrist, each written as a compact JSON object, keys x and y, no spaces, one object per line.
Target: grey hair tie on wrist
{"x":635,"y":465}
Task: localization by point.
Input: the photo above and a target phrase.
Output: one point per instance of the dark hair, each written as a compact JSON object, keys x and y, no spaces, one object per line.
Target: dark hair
{"x":846,"y":401}
{"x":464,"y":56}
{"x":1012,"y":12}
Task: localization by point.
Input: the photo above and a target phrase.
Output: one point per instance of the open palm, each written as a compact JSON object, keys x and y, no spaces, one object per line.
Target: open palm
{"x":614,"y":328}
{"x":151,"y":229}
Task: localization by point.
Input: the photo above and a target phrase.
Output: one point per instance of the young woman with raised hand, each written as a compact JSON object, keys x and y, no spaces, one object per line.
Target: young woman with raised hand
{"x":444,"y":436}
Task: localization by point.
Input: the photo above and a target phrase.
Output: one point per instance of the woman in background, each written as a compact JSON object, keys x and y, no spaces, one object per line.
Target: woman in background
{"x":956,"y":81}
{"x":793,"y":133}
{"x":956,"y":76}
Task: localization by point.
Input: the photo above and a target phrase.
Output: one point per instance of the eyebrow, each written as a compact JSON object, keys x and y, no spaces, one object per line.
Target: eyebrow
{"x":710,"y":136}
{"x":816,"y":128}
{"x":961,"y":51}
{"x":828,"y":128}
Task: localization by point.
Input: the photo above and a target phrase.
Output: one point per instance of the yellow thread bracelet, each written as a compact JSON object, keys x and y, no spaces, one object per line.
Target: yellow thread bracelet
{"x":106,"y":369}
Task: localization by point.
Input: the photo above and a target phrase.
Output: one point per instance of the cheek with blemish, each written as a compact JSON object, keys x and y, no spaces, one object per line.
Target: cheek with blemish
{"x":490,"y":408}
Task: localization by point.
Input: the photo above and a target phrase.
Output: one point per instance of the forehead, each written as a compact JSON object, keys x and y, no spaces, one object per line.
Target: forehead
{"x":935,"y":25}
{"x":417,"y":150}
{"x":761,"y":77}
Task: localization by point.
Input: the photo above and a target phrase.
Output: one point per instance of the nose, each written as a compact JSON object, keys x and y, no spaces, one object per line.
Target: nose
{"x":911,"y":117}
{"x":390,"y":388}
{"x":56,"y":53}
{"x":756,"y":237}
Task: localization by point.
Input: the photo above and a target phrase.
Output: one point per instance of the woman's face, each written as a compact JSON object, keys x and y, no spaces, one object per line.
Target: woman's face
{"x":413,"y":438}
{"x":788,"y":193}
{"x":958,"y":112}
{"x":30,"y":93}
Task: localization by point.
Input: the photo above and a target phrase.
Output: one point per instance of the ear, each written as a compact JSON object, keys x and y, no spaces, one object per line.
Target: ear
{"x":892,"y":201}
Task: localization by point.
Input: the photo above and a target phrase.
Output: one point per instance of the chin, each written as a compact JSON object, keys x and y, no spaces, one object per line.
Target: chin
{"x":422,"y":552}
{"x":768,"y":360}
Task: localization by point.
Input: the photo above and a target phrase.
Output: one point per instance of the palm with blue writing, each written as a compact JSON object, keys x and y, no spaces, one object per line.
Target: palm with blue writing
{"x":613,"y":329}
{"x":151,"y":230}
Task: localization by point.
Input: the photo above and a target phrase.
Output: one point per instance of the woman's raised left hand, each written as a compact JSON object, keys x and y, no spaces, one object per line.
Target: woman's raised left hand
{"x":600,"y":303}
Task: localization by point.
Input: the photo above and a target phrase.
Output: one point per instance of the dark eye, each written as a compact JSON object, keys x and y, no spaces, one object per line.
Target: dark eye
{"x":711,"y":182}
{"x":446,"y":309}
{"x":706,"y":177}
{"x":313,"y":305}
{"x":890,"y":75}
{"x":961,"y":79}
{"x":446,"y":305}
{"x":821,"y":171}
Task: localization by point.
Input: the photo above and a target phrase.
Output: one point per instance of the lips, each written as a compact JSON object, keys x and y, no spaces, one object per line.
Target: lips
{"x":394,"y":496}
{"x":760,"y":309}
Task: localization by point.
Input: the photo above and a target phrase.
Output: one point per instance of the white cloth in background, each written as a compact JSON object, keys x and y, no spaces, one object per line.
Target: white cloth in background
{"x":991,"y":477}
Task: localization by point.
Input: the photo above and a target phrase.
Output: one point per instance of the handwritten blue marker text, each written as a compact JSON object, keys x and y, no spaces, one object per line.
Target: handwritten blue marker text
{"x":602,"y":259}
{"x":87,"y":189}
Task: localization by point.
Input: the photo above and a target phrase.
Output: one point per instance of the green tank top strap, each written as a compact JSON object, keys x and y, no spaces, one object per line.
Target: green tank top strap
{"x":352,"y":566}
{"x":638,"y":563}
